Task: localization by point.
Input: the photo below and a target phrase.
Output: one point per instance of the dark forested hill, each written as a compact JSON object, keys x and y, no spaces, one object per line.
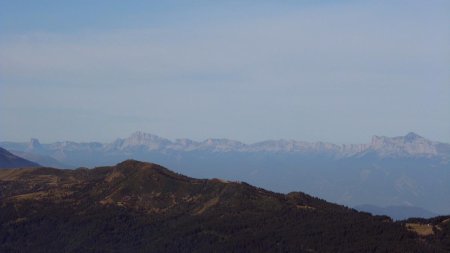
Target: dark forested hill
{"x":143,"y":207}
{"x":8,"y":160}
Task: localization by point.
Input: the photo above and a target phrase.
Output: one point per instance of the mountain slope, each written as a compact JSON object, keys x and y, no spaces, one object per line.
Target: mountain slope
{"x":8,"y":160}
{"x":388,"y":171}
{"x":43,"y":160}
{"x":143,"y":207}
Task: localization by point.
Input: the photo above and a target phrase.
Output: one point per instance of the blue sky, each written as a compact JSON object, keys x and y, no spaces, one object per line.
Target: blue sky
{"x":337,"y":71}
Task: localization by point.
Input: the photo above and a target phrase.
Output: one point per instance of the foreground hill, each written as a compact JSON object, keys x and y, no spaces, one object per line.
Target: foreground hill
{"x":143,"y":207}
{"x":8,"y":160}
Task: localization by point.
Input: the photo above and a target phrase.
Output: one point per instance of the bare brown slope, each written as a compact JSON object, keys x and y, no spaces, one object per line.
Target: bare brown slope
{"x":141,"y":186}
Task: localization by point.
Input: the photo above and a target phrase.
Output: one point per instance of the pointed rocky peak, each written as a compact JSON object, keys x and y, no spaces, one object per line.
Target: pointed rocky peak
{"x":34,"y":146}
{"x":34,"y":143}
{"x":410,"y":137}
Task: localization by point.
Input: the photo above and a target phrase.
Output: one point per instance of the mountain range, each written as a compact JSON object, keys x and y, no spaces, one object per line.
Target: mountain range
{"x":143,"y":207}
{"x":410,"y":145}
{"x":406,"y":170}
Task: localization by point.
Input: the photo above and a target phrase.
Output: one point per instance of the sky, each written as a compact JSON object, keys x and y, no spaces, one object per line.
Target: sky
{"x":334,"y":71}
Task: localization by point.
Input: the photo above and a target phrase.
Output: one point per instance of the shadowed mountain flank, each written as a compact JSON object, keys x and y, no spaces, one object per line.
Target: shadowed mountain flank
{"x":9,"y":160}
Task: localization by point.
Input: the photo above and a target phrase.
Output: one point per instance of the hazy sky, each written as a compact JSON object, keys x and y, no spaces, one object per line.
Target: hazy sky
{"x":337,"y":71}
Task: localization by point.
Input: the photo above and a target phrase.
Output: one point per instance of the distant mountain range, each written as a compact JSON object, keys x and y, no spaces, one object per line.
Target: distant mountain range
{"x":389,"y":171}
{"x":408,"y":146}
{"x":142,"y":207}
{"x":8,"y":160}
